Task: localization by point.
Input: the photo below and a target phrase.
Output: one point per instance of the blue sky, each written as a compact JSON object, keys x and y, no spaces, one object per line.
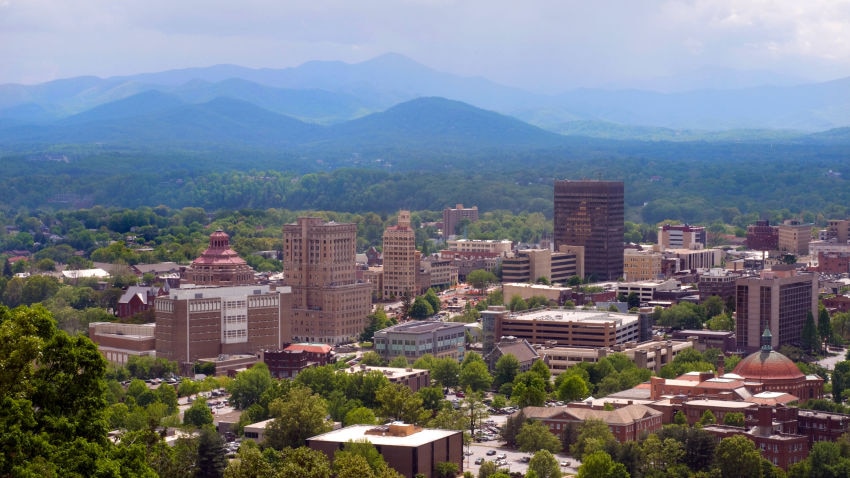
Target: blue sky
{"x":543,"y":45}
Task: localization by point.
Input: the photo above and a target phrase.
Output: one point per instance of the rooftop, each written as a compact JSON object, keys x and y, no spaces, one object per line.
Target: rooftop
{"x":420,"y":437}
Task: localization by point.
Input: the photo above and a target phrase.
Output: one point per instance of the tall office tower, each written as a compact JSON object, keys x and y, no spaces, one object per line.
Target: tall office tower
{"x":591,"y":214}
{"x":401,"y":261}
{"x":329,"y":305}
{"x":779,"y":300}
{"x":452,"y":218}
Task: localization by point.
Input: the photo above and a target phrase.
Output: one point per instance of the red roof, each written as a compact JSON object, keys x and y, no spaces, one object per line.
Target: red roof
{"x":313,"y":348}
{"x":768,"y":365}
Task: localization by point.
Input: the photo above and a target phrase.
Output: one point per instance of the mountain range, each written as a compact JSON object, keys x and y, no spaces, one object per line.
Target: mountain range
{"x":328,"y":104}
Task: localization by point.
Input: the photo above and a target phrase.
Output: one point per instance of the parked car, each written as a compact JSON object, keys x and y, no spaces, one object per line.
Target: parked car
{"x":479,"y":460}
{"x":491,"y":452}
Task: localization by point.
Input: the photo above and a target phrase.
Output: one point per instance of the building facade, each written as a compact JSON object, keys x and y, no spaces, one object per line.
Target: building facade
{"x":400,"y":259}
{"x":761,"y":236}
{"x":560,"y":327}
{"x":642,"y":265}
{"x":794,"y":237}
{"x":118,"y":342}
{"x":453,"y":217}
{"x":329,"y":304}
{"x":202,"y":323}
{"x":681,"y":236}
{"x":414,"y":339}
{"x":779,"y":300}
{"x":219,"y":265}
{"x":591,"y":214}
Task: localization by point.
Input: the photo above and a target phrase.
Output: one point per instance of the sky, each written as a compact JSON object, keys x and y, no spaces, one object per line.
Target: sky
{"x":539,"y":45}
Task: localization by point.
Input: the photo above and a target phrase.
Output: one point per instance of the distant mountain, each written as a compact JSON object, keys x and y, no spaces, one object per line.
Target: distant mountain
{"x":329,"y":92}
{"x":155,"y":118}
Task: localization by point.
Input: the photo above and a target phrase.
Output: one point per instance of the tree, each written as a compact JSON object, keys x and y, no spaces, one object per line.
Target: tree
{"x":633,"y":300}
{"x":420,"y":309}
{"x":372,"y":359}
{"x":512,"y":427}
{"x":737,"y":456}
{"x":660,"y":457}
{"x":544,"y":465}
{"x":713,"y":306}
{"x":446,"y":469}
{"x":249,"y":385}
{"x":824,"y":325}
{"x":297,"y":416}
{"x":600,"y":465}
{"x":474,"y":375}
{"x":809,"y":337}
{"x":432,"y":299}
{"x":481,"y":278}
{"x":535,"y":435}
{"x":360,"y":416}
{"x":198,"y":414}
{"x":592,"y":435}
{"x":734,"y":419}
{"x":572,"y":388}
{"x":211,"y":459}
{"x":398,"y":403}
{"x":707,"y":418}
{"x":303,"y":462}
{"x":529,"y":390}
{"x":506,"y":369}
{"x":840,"y":380}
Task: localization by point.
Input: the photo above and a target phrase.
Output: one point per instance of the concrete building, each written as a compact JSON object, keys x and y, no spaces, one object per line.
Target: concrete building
{"x":117,"y":342}
{"x":681,"y":236}
{"x":560,"y":327}
{"x":838,"y":231}
{"x":642,"y":265}
{"x":401,"y":259}
{"x":778,"y":300}
{"x":454,"y":217}
{"x":794,"y":237}
{"x":647,"y":290}
{"x":408,"y":449}
{"x":690,"y":259}
{"x":526,"y":290}
{"x":502,"y":248}
{"x":412,"y":378}
{"x":651,"y":355}
{"x":566,"y":264}
{"x":329,"y":304}
{"x":718,"y":282}
{"x":437,"y":273}
{"x":205,"y":322}
{"x":591,"y":214}
{"x":527,"y":265}
{"x":416,"y":338}
{"x":219,"y":265}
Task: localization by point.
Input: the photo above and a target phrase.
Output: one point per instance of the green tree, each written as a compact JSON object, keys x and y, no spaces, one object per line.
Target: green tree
{"x":824,"y":324}
{"x":513,"y":425}
{"x":298,"y":415}
{"x":433,"y":300}
{"x":360,"y":416}
{"x":372,"y":359}
{"x":737,"y":456}
{"x":198,"y":414}
{"x":592,"y":435}
{"x":529,"y":390}
{"x":481,"y":278}
{"x":661,"y":457}
{"x":303,"y":462}
{"x":398,"y":403}
{"x":249,"y":385}
{"x":211,"y":459}
{"x":707,"y":418}
{"x":600,"y":465}
{"x":535,"y":435}
{"x":544,"y":465}
{"x":420,"y":309}
{"x":734,"y":419}
{"x":840,"y":380}
{"x":721,"y":322}
{"x":809,"y":337}
{"x":506,"y":370}
{"x":572,"y":388}
{"x":446,"y":469}
{"x":474,"y":375}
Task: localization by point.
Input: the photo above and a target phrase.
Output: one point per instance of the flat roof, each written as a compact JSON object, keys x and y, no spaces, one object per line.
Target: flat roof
{"x":358,"y":432}
{"x":567,"y":315}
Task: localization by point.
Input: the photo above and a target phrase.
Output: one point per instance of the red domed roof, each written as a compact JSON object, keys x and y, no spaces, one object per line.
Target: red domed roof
{"x":768,"y":365}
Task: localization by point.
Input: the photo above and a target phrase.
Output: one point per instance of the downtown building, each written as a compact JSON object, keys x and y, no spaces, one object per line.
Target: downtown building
{"x":454,"y":217}
{"x":590,"y":214}
{"x":777,"y":300}
{"x":401,"y":259}
{"x":329,"y":304}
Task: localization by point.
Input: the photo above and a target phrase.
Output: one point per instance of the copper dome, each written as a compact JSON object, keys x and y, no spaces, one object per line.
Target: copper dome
{"x":768,"y":364}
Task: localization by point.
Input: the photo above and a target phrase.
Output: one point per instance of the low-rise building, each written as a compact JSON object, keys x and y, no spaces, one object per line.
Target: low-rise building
{"x":416,"y":338}
{"x":118,"y":342}
{"x":646,"y":290}
{"x":651,"y":355}
{"x":412,"y":378}
{"x":525,"y":354}
{"x":408,"y":449}
{"x":627,"y":423}
{"x":294,"y":358}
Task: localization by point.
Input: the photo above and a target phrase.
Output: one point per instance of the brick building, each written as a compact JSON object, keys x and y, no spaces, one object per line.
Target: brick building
{"x":454,"y":217}
{"x":219,"y":265}
{"x":118,"y":342}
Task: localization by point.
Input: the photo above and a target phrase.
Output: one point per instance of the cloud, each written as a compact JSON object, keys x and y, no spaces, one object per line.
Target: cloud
{"x":547,"y":44}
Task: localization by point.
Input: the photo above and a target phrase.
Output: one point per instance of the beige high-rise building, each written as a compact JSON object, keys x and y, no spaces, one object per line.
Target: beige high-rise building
{"x":779,"y":300}
{"x":401,"y":259}
{"x":794,"y":237}
{"x":642,"y":265}
{"x":329,"y":304}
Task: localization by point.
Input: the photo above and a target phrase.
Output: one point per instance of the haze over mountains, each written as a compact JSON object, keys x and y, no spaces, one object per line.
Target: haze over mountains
{"x":322,"y":104}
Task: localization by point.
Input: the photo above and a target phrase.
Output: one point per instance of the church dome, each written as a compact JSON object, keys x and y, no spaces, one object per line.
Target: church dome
{"x":767,"y":364}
